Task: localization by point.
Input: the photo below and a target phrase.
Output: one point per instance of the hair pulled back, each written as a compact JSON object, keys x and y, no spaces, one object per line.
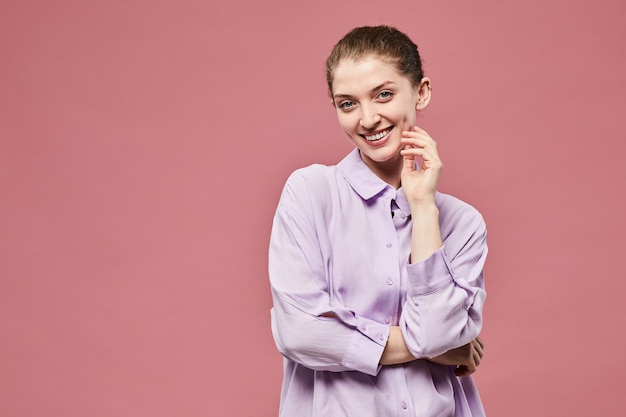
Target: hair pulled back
{"x":384,"y":41}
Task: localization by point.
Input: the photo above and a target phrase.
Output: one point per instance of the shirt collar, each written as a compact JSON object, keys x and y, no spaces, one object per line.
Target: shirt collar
{"x":366,"y":183}
{"x":360,"y":177}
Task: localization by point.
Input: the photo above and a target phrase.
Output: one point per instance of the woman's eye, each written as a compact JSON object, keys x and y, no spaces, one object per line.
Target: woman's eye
{"x":346,"y":105}
{"x":384,"y":95}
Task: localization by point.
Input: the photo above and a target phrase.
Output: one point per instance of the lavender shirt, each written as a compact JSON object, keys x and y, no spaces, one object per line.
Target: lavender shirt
{"x":336,"y":247}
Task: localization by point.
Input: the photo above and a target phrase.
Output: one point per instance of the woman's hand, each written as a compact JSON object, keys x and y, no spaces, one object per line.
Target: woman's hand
{"x":420,"y":184}
{"x":466,"y":358}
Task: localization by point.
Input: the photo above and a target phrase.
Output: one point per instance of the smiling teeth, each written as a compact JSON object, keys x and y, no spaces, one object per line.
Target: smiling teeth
{"x":378,"y":135}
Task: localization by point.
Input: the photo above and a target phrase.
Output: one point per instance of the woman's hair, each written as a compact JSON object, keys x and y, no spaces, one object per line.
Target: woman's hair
{"x":384,"y":41}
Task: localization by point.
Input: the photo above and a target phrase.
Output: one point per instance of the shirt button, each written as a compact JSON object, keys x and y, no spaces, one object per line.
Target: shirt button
{"x":404,"y":405}
{"x":363,"y":328}
{"x":389,"y":282}
{"x":387,"y":320}
{"x":381,"y":338}
{"x":403,"y":216}
{"x":389,"y":245}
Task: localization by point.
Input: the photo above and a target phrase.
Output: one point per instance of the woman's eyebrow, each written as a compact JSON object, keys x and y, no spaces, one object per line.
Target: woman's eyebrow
{"x":373,"y":90}
{"x":341,"y":96}
{"x":378,"y":87}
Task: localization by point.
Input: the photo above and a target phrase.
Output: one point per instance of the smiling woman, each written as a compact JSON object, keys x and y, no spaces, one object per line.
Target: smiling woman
{"x":377,"y":278}
{"x":375,"y":104}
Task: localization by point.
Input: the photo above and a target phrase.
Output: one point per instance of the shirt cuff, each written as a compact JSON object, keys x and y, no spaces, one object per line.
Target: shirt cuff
{"x":429,"y":275}
{"x":367,"y":346}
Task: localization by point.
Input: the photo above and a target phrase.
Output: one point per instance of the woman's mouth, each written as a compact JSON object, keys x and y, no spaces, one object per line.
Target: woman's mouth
{"x":377,"y":136}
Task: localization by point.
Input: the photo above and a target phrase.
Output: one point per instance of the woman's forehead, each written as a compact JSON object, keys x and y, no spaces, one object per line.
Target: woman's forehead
{"x":365,"y":73}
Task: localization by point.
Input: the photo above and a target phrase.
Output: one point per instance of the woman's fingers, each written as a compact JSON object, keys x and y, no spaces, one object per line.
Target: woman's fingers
{"x":415,"y":140}
{"x":419,"y":135}
{"x":408,"y":162}
{"x":473,"y":360}
{"x":421,"y":152}
{"x":477,"y":357}
{"x":430,"y":160}
{"x":420,"y":142}
{"x":478,"y":346}
{"x":480,"y":342}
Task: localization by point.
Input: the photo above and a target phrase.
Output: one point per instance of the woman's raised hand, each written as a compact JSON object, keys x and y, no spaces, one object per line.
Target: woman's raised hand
{"x":420,"y":183}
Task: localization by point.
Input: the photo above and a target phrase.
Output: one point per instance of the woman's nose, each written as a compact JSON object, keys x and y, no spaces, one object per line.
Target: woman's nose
{"x":369,"y":118}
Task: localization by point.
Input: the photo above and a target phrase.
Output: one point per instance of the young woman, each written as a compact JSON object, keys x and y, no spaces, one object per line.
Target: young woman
{"x":377,"y":278}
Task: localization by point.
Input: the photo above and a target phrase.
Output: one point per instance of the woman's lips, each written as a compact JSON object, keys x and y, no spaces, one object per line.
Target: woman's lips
{"x":377,"y":138}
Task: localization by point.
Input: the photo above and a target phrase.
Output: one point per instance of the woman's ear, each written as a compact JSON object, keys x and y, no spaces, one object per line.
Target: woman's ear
{"x":423,"y":94}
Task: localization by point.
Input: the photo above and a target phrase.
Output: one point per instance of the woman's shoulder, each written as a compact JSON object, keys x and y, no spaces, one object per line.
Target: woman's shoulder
{"x":312,"y":176}
{"x":313,"y":172}
{"x":311,"y":183}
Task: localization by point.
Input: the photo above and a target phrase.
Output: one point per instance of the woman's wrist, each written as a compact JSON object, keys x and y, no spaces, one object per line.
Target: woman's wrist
{"x":396,"y":350}
{"x":423,"y":207}
{"x":426,"y":235}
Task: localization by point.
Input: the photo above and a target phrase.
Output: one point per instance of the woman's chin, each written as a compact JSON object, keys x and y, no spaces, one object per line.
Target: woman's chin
{"x":383,"y":156}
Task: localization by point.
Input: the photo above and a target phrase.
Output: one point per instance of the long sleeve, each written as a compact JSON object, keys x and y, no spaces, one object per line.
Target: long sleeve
{"x":299,"y":277}
{"x":446,"y":292}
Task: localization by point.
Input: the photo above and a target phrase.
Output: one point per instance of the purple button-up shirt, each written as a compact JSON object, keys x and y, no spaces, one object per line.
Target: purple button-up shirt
{"x":339,"y":273}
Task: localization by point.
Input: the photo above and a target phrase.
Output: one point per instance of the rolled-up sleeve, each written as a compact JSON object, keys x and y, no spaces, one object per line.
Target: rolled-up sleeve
{"x":446,"y":291}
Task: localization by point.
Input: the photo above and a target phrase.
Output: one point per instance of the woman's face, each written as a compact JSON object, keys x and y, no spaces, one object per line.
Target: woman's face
{"x":374,"y":104}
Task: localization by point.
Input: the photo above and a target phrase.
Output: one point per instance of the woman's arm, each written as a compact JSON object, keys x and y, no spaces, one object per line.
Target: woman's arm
{"x":420,"y":187}
{"x":443,"y":310}
{"x":307,"y":327}
{"x":396,"y":351}
{"x":465,"y":358}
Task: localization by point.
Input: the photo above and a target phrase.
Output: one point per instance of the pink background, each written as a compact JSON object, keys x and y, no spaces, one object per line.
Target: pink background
{"x":144,"y":145}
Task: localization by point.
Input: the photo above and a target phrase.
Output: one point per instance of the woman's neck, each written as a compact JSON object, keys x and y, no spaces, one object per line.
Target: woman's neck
{"x":388,"y":171}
